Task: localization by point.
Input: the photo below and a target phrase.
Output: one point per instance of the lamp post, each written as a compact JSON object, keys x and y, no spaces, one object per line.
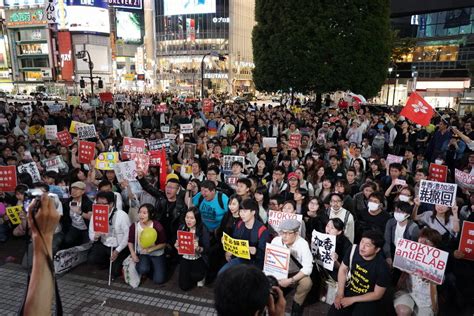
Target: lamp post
{"x":395,"y":86}
{"x":212,"y":53}
{"x":82,"y":55}
{"x":390,"y":69}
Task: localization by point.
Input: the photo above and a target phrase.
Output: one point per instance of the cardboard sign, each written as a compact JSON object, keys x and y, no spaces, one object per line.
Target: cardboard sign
{"x":186,"y":128}
{"x":32,"y":169}
{"x":322,"y":247}
{"x":464,"y":180}
{"x":466,"y":244}
{"x":64,"y":138}
{"x":185,"y":243}
{"x":66,"y":259}
{"x":207,"y":106}
{"x":100,"y":213}
{"x":142,"y":162}
{"x":228,"y":160}
{"x":7,"y":178}
{"x":132,"y":145}
{"x":437,"y":193}
{"x":51,"y":131}
{"x":237,"y":247}
{"x":161,"y":108}
{"x":157,"y":144}
{"x":438,"y":172}
{"x":277,"y":261}
{"x":86,"y":131}
{"x":106,"y":161}
{"x":294,"y":141}
{"x":421,"y":260}
{"x":270,"y":142}
{"x":73,"y":127}
{"x":13,"y":213}
{"x":54,"y":163}
{"x":126,"y":171}
{"x":275,"y":218}
{"x":86,"y":151}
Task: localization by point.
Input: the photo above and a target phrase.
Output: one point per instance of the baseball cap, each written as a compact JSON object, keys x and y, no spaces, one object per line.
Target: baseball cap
{"x":79,"y":184}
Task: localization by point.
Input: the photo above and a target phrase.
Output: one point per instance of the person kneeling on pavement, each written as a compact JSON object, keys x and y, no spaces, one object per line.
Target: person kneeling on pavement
{"x":301,"y":263}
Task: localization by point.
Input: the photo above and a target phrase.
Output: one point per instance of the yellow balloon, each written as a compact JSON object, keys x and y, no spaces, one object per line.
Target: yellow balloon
{"x":148,"y":237}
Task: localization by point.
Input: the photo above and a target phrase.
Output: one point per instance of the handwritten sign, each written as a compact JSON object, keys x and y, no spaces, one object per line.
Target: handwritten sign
{"x":106,"y":161}
{"x":466,"y":244}
{"x":228,"y":160}
{"x":64,"y":138}
{"x":277,"y":261}
{"x":100,"y":213}
{"x":437,"y":193}
{"x":51,"y":131}
{"x":86,"y":131}
{"x":421,"y":260}
{"x":237,"y":247}
{"x":322,"y":247}
{"x":464,"y":180}
{"x":131,"y":146}
{"x":32,"y":169}
{"x":86,"y":152}
{"x":126,"y":171}
{"x":7,"y":178}
{"x":185,"y":243}
{"x":438,"y":172}
{"x":186,"y":128}
{"x":66,"y":259}
{"x":142,"y":162}
{"x":13,"y":213}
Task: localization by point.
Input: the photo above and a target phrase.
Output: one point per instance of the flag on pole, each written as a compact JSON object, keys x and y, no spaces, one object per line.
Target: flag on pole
{"x":418,"y":110}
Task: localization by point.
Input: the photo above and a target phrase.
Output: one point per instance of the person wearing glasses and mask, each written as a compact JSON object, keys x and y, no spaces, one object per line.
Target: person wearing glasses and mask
{"x":337,"y":211}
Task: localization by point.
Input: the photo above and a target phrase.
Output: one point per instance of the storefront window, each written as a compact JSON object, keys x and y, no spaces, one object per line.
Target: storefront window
{"x":446,"y":23}
{"x":432,"y":53}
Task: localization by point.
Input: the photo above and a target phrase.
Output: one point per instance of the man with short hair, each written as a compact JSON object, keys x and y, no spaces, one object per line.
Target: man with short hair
{"x":243,"y":188}
{"x":213,"y":174}
{"x":277,"y":185}
{"x":211,"y":204}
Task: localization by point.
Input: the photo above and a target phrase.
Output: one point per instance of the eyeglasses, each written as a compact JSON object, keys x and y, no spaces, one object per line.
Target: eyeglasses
{"x":336,"y":201}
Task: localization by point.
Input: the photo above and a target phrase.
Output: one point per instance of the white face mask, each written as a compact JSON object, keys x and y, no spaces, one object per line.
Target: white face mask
{"x":400,"y":217}
{"x":439,"y":161}
{"x":403,"y":198}
{"x":373,"y":206}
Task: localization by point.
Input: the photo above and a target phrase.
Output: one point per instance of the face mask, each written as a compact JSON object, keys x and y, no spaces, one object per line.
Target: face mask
{"x":439,"y":161}
{"x":379,"y":126}
{"x":400,"y":217}
{"x":373,"y":206}
{"x":403,"y":198}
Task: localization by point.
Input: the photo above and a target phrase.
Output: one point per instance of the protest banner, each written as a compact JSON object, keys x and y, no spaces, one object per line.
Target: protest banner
{"x":32,"y":169}
{"x":85,"y":131}
{"x":421,"y":260}
{"x":228,"y":160}
{"x":86,"y":152}
{"x":146,"y":102}
{"x":54,"y":163}
{"x":142,"y":162}
{"x":165,"y":128}
{"x":276,"y":261}
{"x":64,"y":138}
{"x":270,"y":142}
{"x":55,"y":107}
{"x":161,"y":108}
{"x":294,"y":141}
{"x":466,"y":244}
{"x":189,"y":151}
{"x":157,"y":144}
{"x":322,"y":246}
{"x":437,"y":193}
{"x":126,"y":170}
{"x":73,"y":127}
{"x":464,"y":180}
{"x":275,"y":218}
{"x":106,"y":161}
{"x":13,"y":213}
{"x":186,"y":128}
{"x":7,"y":178}
{"x":51,"y":131}
{"x":239,"y":248}
{"x":438,"y":172}
{"x":185,"y":243}
{"x":132,"y":145}
{"x":100,"y":214}
{"x":207,"y":105}
{"x":158,"y":159}
{"x":66,"y":259}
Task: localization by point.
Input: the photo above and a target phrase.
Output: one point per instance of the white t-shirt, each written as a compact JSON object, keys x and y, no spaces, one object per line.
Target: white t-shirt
{"x":399,"y":231}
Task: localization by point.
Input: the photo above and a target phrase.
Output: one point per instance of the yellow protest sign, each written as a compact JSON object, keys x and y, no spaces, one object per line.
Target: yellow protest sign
{"x":176,"y":167}
{"x":237,"y":247}
{"x":106,"y":161}
{"x":13,"y":213}
{"x":73,"y":127}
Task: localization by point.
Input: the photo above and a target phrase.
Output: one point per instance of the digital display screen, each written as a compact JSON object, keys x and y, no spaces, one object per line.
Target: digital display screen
{"x":129,"y":26}
{"x":176,"y":7}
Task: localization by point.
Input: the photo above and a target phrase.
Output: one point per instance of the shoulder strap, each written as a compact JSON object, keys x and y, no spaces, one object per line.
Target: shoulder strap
{"x":444,"y":227}
{"x":346,"y":217}
{"x":298,"y":264}
{"x":219,"y":200}
{"x":352,"y":256}
{"x":261,"y":230}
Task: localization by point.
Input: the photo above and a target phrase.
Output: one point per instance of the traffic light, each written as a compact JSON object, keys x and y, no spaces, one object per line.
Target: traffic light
{"x":101,"y":84}
{"x":82,"y":83}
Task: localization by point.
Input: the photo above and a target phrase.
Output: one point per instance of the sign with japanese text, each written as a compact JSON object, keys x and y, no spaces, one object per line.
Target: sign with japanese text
{"x":22,"y":17}
{"x":161,"y":108}
{"x":146,"y":102}
{"x":157,"y":144}
{"x":438,"y":172}
{"x":277,"y":261}
{"x":73,"y":127}
{"x":86,"y":151}
{"x":275,"y":218}
{"x":228,"y":160}
{"x":132,"y":145}
{"x":464,"y":180}
{"x":207,"y":106}
{"x":7,"y":178}
{"x":142,"y":162}
{"x":100,"y":213}
{"x":106,"y":97}
{"x":294,"y":141}
{"x":66,"y":61}
{"x":106,"y":161}
{"x":185,"y":243}
{"x":85,"y":131}
{"x":270,"y":142}
{"x":126,"y":171}
{"x":239,"y":248}
{"x":186,"y":128}
{"x":13,"y":213}
{"x":437,"y":193}
{"x":51,"y":131}
{"x":32,"y":169}
{"x":466,"y":244}
{"x":54,"y":163}
{"x":322,"y":247}
{"x":64,"y":138}
{"x":421,"y":260}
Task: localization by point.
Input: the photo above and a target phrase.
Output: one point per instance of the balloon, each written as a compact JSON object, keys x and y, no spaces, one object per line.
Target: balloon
{"x":148,"y":237}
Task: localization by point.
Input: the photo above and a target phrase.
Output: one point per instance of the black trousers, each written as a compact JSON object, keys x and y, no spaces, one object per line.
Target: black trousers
{"x":191,"y":272}
{"x":100,"y":256}
{"x":75,"y":237}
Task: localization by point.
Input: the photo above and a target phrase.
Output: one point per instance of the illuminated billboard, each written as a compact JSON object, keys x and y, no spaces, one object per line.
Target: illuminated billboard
{"x":65,"y":55}
{"x":129,"y":26}
{"x":176,"y":7}
{"x":17,"y":3}
{"x":126,"y":4}
{"x":88,"y":19}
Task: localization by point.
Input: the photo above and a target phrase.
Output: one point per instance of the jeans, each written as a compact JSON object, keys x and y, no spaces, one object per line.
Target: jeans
{"x":152,"y":264}
{"x":231,"y":263}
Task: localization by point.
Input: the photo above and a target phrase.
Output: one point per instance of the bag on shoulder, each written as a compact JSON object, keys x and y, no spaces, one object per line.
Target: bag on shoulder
{"x":349,"y":273}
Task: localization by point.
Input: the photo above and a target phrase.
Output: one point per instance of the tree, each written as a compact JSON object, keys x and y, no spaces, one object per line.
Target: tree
{"x":321,"y":45}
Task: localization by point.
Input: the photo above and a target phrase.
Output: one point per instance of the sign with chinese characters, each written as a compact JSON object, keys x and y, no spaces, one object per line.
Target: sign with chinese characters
{"x":86,"y":131}
{"x":126,"y":171}
{"x":23,"y":17}
{"x":132,"y":145}
{"x":54,"y":163}
{"x":64,"y":138}
{"x":106,"y":161}
{"x":228,"y":160}
{"x":464,"y":180}
{"x":142,"y":162}
{"x":185,"y":243}
{"x":13,"y":213}
{"x":437,"y":193}
{"x":86,"y":151}
{"x":438,"y":172}
{"x":322,"y":247}
{"x":186,"y":128}
{"x":51,"y":131}
{"x":422,"y":260}
{"x":466,"y":244}
{"x":277,"y":261}
{"x":100,"y":213}
{"x":161,"y":108}
{"x":32,"y":169}
{"x":157,"y":144}
{"x":7,"y":178}
{"x":294,"y":141}
{"x":237,"y":247}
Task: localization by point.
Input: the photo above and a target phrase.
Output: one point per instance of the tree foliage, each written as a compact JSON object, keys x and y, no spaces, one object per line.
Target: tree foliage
{"x":321,"y":45}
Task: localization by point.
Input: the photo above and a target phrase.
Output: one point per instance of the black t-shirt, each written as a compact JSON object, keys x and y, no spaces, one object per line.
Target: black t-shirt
{"x":366,"y":274}
{"x":378,"y":221}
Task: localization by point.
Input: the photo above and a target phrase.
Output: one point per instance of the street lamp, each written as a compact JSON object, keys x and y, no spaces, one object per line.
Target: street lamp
{"x":390,"y":69}
{"x":214,"y":54}
{"x":395,"y":86}
{"x":82,"y":55}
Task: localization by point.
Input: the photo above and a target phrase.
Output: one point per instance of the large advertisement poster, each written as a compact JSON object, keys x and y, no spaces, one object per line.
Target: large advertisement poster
{"x":91,"y":16}
{"x":176,"y":7}
{"x":129,"y":26}
{"x":65,"y":55}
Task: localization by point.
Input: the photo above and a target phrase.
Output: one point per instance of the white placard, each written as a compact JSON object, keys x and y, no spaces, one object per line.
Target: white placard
{"x":276,"y":261}
{"x":186,"y":128}
{"x":32,"y":169}
{"x":322,"y":247}
{"x":270,"y":142}
{"x":165,"y":128}
{"x":275,"y":218}
{"x":85,"y":131}
{"x":51,"y":131}
{"x":440,"y":193}
{"x":126,"y":171}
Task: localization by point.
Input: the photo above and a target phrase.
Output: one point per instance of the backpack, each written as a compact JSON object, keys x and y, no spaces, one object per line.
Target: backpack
{"x":254,"y":235}
{"x":219,"y":200}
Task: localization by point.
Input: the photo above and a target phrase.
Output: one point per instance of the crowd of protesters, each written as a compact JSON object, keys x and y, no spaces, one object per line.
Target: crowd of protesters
{"x":336,"y":177}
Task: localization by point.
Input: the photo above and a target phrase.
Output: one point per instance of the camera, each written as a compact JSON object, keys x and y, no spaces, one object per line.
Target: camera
{"x":30,"y":195}
{"x":273,"y":282}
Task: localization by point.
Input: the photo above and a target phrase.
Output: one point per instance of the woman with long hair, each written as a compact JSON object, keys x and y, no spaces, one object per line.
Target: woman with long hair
{"x":261,"y":172}
{"x":263,"y":198}
{"x":314,"y":216}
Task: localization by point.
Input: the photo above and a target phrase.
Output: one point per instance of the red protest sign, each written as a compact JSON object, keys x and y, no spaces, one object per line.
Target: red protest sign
{"x":64,"y":138}
{"x":161,"y":108}
{"x":185,"y":243}
{"x":466,"y":244}
{"x":86,"y":151}
{"x":207,"y":105}
{"x":438,"y":172}
{"x":7,"y":178}
{"x":295,"y":141}
{"x":106,"y":97}
{"x":142,"y":162}
{"x":100,"y":213}
{"x":155,"y":158}
{"x":132,"y":145}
